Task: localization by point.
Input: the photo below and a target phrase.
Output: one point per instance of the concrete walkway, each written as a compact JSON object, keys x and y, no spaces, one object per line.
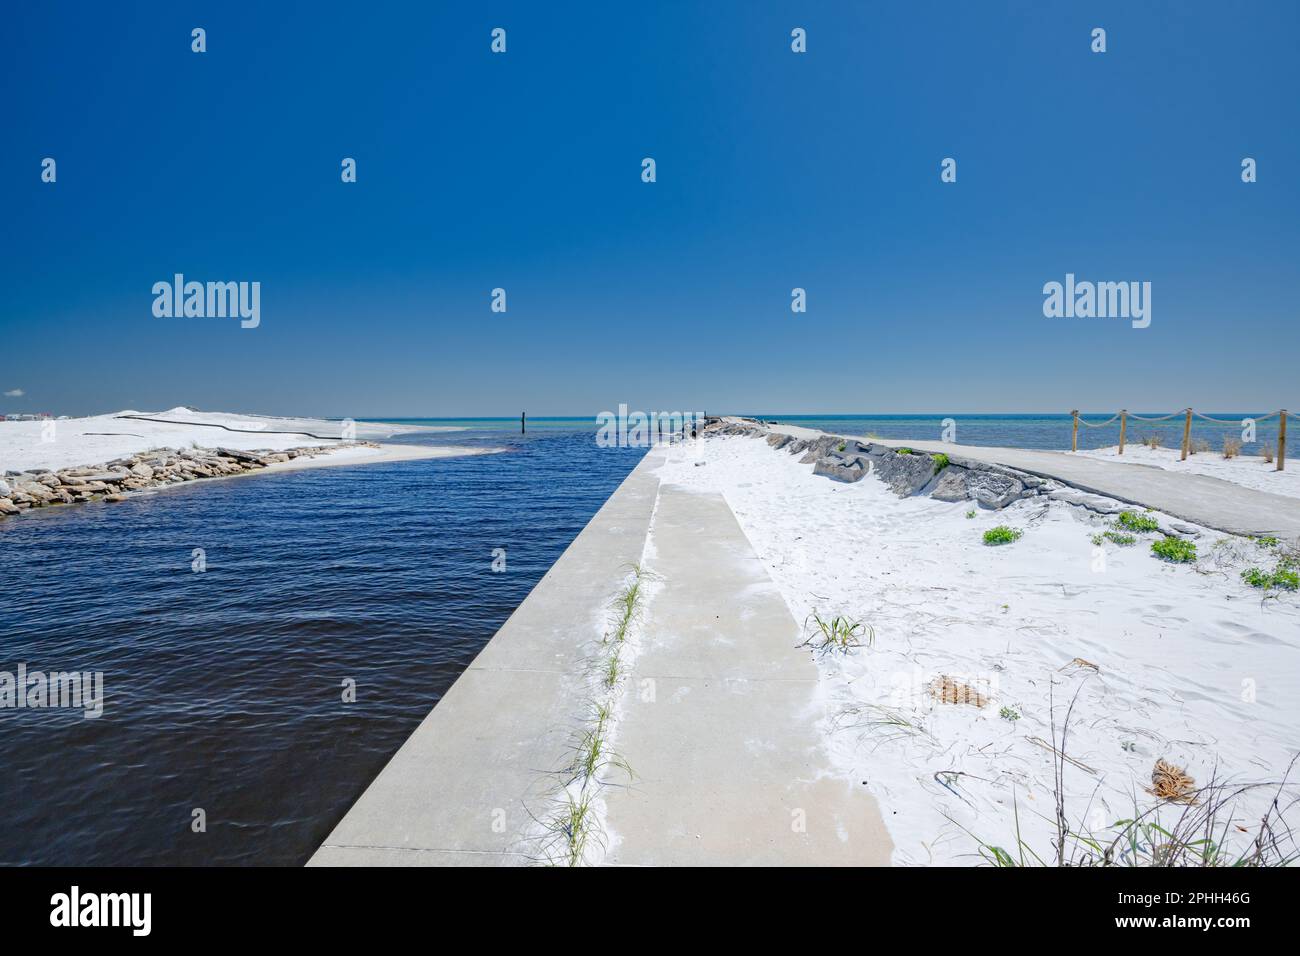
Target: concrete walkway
{"x":719,"y":717}
{"x":460,"y":790}
{"x":1211,"y":502}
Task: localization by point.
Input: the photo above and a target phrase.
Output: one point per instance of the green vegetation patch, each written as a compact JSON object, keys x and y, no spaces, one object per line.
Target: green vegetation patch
{"x":1132,"y":521}
{"x":940,"y":462}
{"x":1280,"y":577}
{"x":1002,"y":535}
{"x":1174,"y":549}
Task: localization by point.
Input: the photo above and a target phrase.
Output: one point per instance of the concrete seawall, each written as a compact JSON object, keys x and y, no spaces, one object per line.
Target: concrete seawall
{"x":461,"y":789}
{"x":718,"y":717}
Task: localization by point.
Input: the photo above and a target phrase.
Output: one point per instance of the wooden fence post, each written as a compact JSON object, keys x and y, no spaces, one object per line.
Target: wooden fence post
{"x":1123,"y":426}
{"x":1281,"y":441}
{"x":1074,"y":439}
{"x":1187,"y":434}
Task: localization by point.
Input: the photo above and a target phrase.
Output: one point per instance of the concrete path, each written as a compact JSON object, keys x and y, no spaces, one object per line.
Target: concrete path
{"x":730,"y":769}
{"x":719,"y":717}
{"x":460,"y":789}
{"x":1211,"y":502}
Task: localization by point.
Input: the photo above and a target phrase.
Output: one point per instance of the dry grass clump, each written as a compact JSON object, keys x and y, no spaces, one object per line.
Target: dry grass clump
{"x":1198,"y":445}
{"x":1231,"y":447}
{"x":1172,"y":783}
{"x":1153,"y":441}
{"x":1205,"y":832}
{"x":1266,"y":449}
{"x":948,"y":691}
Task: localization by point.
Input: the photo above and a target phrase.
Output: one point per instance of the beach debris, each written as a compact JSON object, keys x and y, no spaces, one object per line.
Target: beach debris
{"x":1170,"y":782}
{"x":948,"y":691}
{"x":1080,"y":663}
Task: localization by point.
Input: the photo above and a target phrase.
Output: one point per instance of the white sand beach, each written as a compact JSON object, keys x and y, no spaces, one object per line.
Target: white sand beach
{"x":74,"y":442}
{"x":1180,"y":662}
{"x":1249,"y":471}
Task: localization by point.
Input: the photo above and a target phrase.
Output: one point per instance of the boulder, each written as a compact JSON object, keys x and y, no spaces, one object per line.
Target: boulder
{"x":779,"y":440}
{"x":905,"y":474}
{"x":36,"y":490}
{"x":842,"y":469}
{"x":951,"y":485}
{"x":1084,"y":499}
{"x":7,"y":507}
{"x":820,"y":447}
{"x":247,"y":456}
{"x":4,"y":488}
{"x":992,"y":489}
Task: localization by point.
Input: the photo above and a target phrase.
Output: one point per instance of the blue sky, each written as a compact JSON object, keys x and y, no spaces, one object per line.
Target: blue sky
{"x":775,"y":170}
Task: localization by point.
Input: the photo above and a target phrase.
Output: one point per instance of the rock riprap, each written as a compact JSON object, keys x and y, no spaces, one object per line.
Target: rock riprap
{"x":114,"y":481}
{"x":904,"y":471}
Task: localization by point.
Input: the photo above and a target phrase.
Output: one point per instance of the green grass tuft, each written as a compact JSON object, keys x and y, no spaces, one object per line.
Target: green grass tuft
{"x":1132,"y":521}
{"x":940,"y":462}
{"x":839,"y":634}
{"x":1281,"y":577}
{"x":1114,"y":537}
{"x":1002,"y":535}
{"x":1174,"y":549}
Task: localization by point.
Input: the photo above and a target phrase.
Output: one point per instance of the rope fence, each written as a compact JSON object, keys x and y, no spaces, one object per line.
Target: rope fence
{"x":1123,"y":416}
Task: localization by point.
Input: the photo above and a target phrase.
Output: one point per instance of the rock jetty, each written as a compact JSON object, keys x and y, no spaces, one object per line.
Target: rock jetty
{"x":115,"y":480}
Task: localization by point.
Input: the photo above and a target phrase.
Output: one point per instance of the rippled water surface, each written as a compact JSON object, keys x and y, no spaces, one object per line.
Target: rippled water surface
{"x":223,"y":688}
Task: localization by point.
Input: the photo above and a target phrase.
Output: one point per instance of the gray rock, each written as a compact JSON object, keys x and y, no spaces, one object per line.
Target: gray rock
{"x":247,"y":456}
{"x":1084,"y":499}
{"x":36,"y":490}
{"x":4,"y":488}
{"x":993,"y":490}
{"x":7,"y":507}
{"x":951,"y":485}
{"x":842,"y":469}
{"x":905,"y":474}
{"x":141,"y":470}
